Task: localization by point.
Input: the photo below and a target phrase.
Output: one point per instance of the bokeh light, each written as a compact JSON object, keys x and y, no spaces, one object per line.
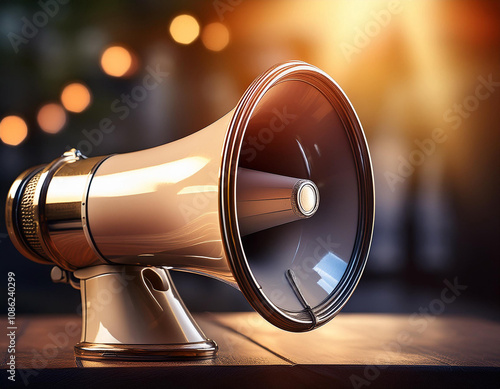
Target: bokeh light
{"x":13,"y":130}
{"x":75,"y":97}
{"x":51,"y":118}
{"x":215,"y":36}
{"x":184,"y":29}
{"x":116,"y":61}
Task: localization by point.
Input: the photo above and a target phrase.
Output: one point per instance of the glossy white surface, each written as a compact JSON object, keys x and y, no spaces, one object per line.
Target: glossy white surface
{"x":161,"y":206}
{"x":133,"y":305}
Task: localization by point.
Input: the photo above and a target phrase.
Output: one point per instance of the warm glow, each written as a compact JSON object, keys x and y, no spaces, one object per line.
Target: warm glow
{"x":184,"y":29}
{"x":51,"y":118}
{"x":116,"y":61}
{"x":75,"y":97}
{"x":215,"y":36}
{"x":13,"y":130}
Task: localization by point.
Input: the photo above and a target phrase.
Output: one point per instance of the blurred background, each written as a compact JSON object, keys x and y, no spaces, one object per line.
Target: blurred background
{"x":423,"y":76}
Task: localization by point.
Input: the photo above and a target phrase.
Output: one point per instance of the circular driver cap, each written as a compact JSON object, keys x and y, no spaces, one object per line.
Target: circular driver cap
{"x":307,"y":198}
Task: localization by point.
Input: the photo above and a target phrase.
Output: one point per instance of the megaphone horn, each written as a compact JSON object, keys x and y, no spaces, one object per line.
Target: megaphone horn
{"x":275,"y":198}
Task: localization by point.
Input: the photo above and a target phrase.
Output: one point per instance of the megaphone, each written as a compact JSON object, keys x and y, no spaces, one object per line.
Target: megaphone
{"x":275,"y":198}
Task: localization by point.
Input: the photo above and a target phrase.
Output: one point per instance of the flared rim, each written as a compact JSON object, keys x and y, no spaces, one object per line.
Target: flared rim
{"x":295,"y":321}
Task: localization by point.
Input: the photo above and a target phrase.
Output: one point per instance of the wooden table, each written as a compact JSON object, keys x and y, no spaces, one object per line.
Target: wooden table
{"x":353,"y":350}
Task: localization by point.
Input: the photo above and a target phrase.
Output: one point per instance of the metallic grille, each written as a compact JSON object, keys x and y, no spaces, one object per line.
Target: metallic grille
{"x":27,"y":216}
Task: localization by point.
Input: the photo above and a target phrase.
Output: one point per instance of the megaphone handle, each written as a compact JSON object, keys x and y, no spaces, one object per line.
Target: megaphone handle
{"x":59,"y":275}
{"x":292,"y":280}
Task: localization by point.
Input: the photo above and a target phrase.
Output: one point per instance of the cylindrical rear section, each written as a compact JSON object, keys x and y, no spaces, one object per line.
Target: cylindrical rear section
{"x":45,"y":212}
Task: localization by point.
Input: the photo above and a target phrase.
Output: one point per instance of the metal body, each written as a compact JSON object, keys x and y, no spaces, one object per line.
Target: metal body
{"x":138,"y":208}
{"x":210,"y":205}
{"x":51,"y":200}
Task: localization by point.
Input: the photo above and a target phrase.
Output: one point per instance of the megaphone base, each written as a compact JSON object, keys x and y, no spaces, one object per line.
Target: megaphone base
{"x":136,"y":313}
{"x":146,"y":352}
